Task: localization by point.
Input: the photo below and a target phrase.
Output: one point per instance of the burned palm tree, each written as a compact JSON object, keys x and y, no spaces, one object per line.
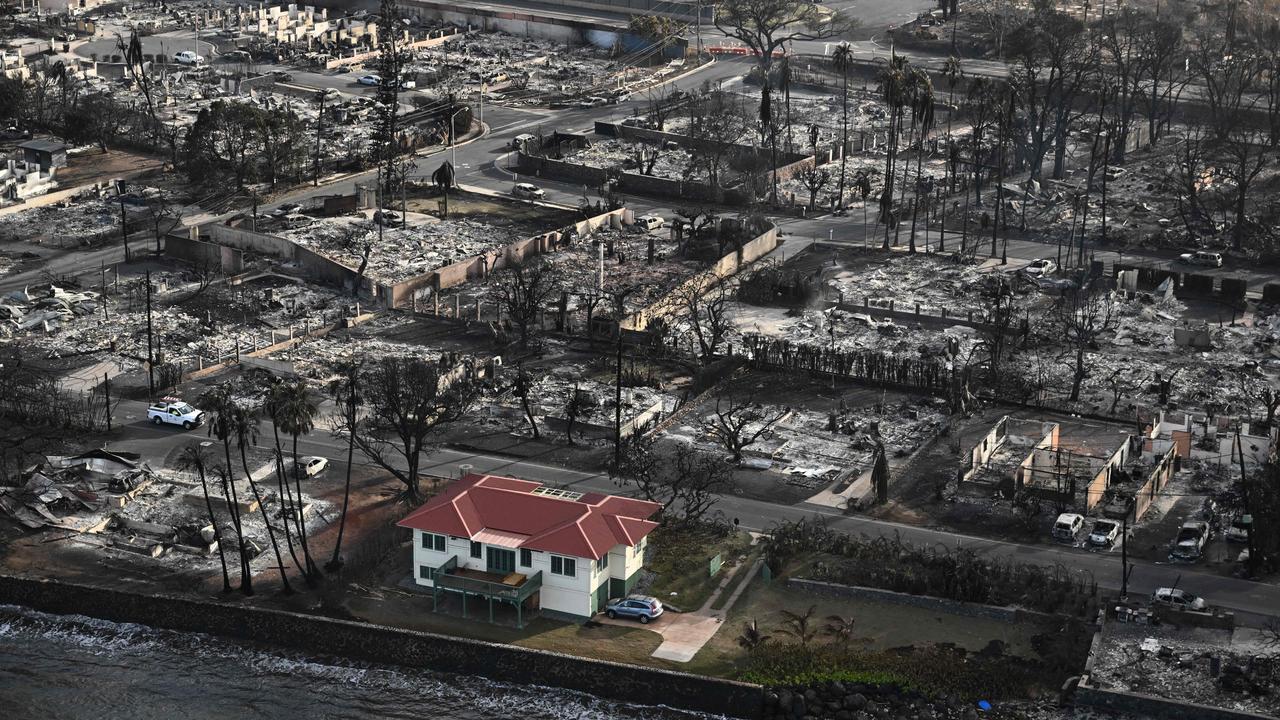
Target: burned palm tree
{"x":221,"y":407}
{"x":293,"y":411}
{"x":443,"y":178}
{"x":195,"y":458}
{"x":245,"y":426}
{"x":894,"y":89}
{"x":843,"y":60}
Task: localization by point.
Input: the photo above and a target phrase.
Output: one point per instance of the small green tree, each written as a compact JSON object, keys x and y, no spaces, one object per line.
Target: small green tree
{"x":752,"y":636}
{"x":799,"y":625}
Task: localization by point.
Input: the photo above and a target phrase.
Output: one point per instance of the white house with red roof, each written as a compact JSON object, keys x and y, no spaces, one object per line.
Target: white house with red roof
{"x":524,"y":543}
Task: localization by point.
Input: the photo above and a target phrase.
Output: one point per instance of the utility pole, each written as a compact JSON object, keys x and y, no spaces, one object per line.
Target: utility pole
{"x":106,"y":391}
{"x":315,"y":176}
{"x":620,"y":305}
{"x":1125,"y":570}
{"x":1244,"y":492}
{"x":151,"y":360}
{"x":103,"y":297}
{"x":124,"y":224}
{"x":697,"y":23}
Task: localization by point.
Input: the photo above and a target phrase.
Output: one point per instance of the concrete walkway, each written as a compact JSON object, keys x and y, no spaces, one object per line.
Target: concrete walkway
{"x":684,"y":634}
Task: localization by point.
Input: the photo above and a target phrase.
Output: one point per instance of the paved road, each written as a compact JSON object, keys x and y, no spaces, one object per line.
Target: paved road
{"x":165,"y":44}
{"x":1252,"y":601}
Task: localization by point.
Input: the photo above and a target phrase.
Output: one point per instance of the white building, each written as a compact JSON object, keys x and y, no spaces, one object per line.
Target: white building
{"x":529,"y":545}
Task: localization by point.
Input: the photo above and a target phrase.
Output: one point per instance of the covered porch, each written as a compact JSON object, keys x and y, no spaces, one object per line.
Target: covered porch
{"x":512,"y":587}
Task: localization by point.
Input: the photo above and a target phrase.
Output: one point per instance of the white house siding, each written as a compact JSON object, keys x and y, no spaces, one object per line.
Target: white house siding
{"x":564,"y":594}
{"x":559,"y":593}
{"x":430,"y":558}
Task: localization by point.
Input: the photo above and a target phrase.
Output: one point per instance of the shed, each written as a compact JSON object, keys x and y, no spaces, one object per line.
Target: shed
{"x":46,"y":154}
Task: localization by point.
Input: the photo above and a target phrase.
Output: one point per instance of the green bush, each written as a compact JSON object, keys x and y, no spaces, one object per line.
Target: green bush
{"x":935,"y":670}
{"x":956,"y":574}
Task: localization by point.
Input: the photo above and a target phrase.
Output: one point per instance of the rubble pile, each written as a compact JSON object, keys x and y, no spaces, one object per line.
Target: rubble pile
{"x":320,"y":358}
{"x":852,"y":331}
{"x":625,"y":266}
{"x":1178,"y":665}
{"x":907,"y":280}
{"x":34,"y":311}
{"x":75,"y":492}
{"x":522,"y":70}
{"x":83,"y":217}
{"x":813,"y":448}
{"x":426,"y":245}
{"x":674,"y":163}
{"x":866,"y":114}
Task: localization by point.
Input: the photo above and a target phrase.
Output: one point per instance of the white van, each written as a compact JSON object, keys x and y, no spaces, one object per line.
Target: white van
{"x":1068,"y":526}
{"x":518,"y":141}
{"x":649,"y":222}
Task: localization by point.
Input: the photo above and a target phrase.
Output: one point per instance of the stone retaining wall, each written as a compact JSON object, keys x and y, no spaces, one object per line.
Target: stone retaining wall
{"x":381,"y":644}
{"x":952,"y":607}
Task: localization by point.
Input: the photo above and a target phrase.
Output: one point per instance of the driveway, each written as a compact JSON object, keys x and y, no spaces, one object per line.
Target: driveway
{"x":684,"y":634}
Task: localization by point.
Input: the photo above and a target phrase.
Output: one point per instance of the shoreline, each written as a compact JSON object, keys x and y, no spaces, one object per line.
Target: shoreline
{"x":360,"y":641}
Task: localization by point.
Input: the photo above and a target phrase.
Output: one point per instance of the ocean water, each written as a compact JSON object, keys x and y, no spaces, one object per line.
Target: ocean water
{"x":55,"y":667}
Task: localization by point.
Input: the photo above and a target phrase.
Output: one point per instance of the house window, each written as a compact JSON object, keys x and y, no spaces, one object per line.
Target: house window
{"x":431,"y":541}
{"x":603,"y":563}
{"x":526,"y":558}
{"x":475,"y":549}
{"x":426,"y":572}
{"x":564,"y":566}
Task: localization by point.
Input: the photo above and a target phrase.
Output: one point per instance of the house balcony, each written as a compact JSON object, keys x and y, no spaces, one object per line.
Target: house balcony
{"x":513,"y":588}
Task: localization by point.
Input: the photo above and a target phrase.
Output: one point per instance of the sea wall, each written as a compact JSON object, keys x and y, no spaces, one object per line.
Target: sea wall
{"x":381,"y":644}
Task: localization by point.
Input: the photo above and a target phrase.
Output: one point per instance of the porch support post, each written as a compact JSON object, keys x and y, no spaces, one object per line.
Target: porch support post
{"x":490,"y":609}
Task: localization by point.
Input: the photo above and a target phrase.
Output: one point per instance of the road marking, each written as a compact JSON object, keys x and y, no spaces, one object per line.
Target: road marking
{"x":517,"y":125}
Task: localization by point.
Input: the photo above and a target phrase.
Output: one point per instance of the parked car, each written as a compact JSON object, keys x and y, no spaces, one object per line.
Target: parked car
{"x":640,"y":607}
{"x":1201,"y":257}
{"x":342,"y":70}
{"x":591,"y":102}
{"x":287,"y":209}
{"x":637,"y":121}
{"x":1040,"y":267}
{"x":408,"y":83}
{"x":187,"y":57}
{"x":619,"y":96}
{"x":1191,"y":539}
{"x":528,"y":191}
{"x":1174,"y":597}
{"x":172,"y":411}
{"x":1067,"y":526}
{"x":281,"y":76}
{"x":1238,"y":530}
{"x":649,"y":222}
{"x":518,"y":141}
{"x":369,"y":80}
{"x":1104,"y":533}
{"x":312,"y":465}
{"x":237,"y":56}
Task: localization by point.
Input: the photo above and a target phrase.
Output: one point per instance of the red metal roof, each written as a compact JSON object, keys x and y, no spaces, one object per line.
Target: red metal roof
{"x":588,"y":526}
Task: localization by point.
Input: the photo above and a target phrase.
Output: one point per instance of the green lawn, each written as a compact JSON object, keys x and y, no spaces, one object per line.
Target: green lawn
{"x":681,"y":560}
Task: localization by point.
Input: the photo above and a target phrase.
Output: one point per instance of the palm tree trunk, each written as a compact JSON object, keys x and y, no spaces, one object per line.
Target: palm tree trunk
{"x":312,"y":569}
{"x":217,"y":534}
{"x":335,"y":563}
{"x":844,"y":134}
{"x":233,"y":506}
{"x":286,"y":499}
{"x":266,"y":520}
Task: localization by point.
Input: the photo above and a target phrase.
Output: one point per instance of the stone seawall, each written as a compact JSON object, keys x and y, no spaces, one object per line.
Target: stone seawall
{"x":381,"y":644}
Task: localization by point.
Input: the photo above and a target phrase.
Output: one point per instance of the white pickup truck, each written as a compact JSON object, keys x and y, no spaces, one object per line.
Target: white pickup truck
{"x":175,"y":412}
